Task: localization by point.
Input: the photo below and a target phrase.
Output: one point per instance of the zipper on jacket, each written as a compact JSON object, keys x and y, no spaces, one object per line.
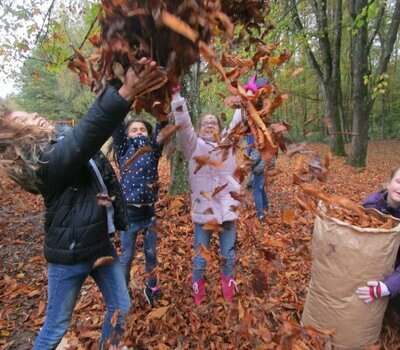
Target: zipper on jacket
{"x":73,"y":243}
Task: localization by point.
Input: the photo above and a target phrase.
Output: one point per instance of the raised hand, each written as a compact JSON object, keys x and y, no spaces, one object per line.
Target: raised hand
{"x":143,"y":78}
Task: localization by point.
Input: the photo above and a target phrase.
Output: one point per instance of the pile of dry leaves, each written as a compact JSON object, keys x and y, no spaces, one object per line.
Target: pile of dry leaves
{"x":272,"y":270}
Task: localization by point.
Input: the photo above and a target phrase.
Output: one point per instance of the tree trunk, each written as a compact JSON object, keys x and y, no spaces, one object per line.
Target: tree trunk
{"x":178,"y":165}
{"x":179,"y":173}
{"x":327,"y":70}
{"x":360,"y":97}
{"x":332,"y":111}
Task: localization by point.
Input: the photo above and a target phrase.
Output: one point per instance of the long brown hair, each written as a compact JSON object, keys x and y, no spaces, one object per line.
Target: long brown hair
{"x":394,"y":172}
{"x":20,"y":149}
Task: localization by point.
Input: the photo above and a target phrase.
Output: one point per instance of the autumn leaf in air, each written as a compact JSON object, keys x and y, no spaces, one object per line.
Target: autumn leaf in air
{"x":218,"y":189}
{"x":104,"y":200}
{"x":204,"y":252}
{"x":206,"y":195}
{"x":297,"y":71}
{"x":205,"y":160}
{"x":167,"y":132}
{"x":103,"y":261}
{"x":137,"y":154}
{"x":288,"y":217}
{"x":212,"y":225}
{"x":114,"y":318}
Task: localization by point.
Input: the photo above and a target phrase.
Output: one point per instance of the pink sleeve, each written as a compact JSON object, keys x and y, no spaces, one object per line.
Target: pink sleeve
{"x":186,"y":135}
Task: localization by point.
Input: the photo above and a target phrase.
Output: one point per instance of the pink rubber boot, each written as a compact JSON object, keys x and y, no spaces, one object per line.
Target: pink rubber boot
{"x":228,"y":287}
{"x":199,"y":289}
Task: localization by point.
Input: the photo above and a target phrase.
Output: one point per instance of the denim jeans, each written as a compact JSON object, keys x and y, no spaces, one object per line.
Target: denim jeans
{"x":227,"y":239}
{"x":259,"y":193}
{"x":64,"y":284}
{"x":128,"y":241}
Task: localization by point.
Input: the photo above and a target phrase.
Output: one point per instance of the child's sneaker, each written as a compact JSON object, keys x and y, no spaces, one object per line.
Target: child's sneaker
{"x":199,"y":290}
{"x":151,"y":294}
{"x":229,"y":287}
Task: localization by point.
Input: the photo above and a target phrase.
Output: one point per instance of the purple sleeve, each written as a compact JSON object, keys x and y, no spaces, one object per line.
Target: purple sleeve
{"x":372,"y":201}
{"x":393,"y":282}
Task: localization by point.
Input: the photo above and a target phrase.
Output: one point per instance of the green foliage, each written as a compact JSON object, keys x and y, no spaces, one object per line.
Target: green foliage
{"x":55,"y":95}
{"x":47,"y":28}
{"x":50,"y":89}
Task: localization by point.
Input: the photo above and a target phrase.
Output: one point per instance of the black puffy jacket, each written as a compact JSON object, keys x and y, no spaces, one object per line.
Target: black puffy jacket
{"x":75,"y":225}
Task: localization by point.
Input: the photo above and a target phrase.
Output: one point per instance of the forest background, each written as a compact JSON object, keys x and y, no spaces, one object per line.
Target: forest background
{"x":342,"y":80}
{"x":342,"y":83}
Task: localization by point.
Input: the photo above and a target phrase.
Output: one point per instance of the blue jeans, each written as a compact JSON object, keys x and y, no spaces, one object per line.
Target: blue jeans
{"x":128,"y":241}
{"x":259,"y":194}
{"x":227,"y":239}
{"x":65,"y":282}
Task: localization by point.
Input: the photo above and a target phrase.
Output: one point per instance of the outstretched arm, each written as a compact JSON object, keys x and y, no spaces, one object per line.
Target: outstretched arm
{"x":120,"y":140}
{"x":236,"y":119}
{"x":66,"y":157}
{"x":186,"y":135}
{"x":158,"y":147}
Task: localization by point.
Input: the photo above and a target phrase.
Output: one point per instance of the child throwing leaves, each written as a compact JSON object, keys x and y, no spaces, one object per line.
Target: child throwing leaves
{"x":138,"y":154}
{"x":68,"y":170}
{"x":258,"y":168}
{"x":213,"y":190}
{"x":388,"y":202}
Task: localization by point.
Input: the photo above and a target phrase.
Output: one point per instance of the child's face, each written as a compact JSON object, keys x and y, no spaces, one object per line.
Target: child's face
{"x":208,"y":127}
{"x":394,"y":190}
{"x":29,"y":119}
{"x":137,"y":129}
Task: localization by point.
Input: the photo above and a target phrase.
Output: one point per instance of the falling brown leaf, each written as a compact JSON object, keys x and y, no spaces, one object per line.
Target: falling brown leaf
{"x":297,"y":71}
{"x":218,"y":189}
{"x":179,"y":26}
{"x":103,"y":261}
{"x":309,"y":206}
{"x":137,"y":154}
{"x":114,"y":318}
{"x":212,"y":225}
{"x":152,"y":273}
{"x":288,"y":217}
{"x":166,"y":133}
{"x":292,"y":149}
{"x":206,"y":195}
{"x":235,"y":195}
{"x":234,"y":208}
{"x":104,"y":200}
{"x":204,"y":252}
{"x":208,"y":211}
{"x":328,"y":160}
{"x":205,"y":160}
{"x":240,"y":173}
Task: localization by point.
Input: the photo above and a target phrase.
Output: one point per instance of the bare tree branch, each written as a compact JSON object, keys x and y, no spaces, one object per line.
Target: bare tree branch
{"x":300,"y":28}
{"x":47,"y":15}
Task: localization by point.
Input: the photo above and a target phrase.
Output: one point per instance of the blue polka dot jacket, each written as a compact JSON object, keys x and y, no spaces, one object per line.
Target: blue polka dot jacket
{"x":139,"y":180}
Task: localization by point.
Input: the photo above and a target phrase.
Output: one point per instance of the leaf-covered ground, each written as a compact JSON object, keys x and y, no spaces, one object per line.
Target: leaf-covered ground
{"x":273,"y":270}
